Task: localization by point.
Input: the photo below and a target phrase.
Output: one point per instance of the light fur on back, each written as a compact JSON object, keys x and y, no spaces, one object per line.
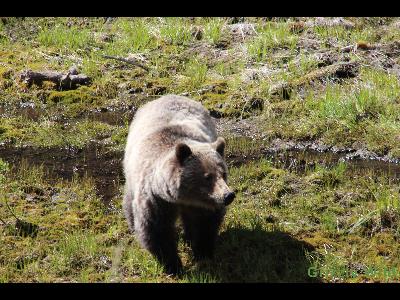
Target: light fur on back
{"x":150,"y":137}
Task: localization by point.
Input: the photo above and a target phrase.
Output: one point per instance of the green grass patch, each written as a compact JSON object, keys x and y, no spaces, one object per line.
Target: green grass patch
{"x":65,"y":38}
{"x":271,"y":36}
{"x":175,"y":31}
{"x":213,"y":30}
{"x":133,"y":35}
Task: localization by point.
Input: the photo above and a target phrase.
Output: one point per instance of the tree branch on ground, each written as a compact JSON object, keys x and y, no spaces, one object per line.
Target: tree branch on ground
{"x":68,"y":81}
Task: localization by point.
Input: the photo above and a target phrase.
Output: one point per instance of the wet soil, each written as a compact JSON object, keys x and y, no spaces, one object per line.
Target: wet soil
{"x":105,"y":167}
{"x":93,"y":161}
{"x":302,"y":160}
{"x":109,"y":115}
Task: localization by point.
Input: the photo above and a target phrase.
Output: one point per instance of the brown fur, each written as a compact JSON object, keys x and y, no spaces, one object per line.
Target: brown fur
{"x":174,"y":165}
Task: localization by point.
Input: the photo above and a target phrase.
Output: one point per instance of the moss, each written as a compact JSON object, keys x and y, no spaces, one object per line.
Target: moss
{"x":317,"y":239}
{"x":243,"y":146}
{"x":158,"y":86}
{"x":10,"y":131}
{"x":81,"y":95}
{"x":4,"y":168}
{"x":223,"y":105}
{"x":5,"y":72}
{"x":120,"y":136}
{"x":6,"y":75}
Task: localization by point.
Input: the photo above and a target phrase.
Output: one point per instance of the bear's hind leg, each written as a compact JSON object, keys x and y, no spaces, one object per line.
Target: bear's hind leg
{"x":155,"y":229}
{"x":201,"y":230}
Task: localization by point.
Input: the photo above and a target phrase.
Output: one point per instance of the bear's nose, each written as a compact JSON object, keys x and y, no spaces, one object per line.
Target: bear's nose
{"x":228,"y":198}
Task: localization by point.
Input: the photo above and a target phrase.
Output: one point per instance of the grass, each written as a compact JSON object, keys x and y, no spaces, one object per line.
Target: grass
{"x":63,"y":37}
{"x":133,"y":36}
{"x":213,"y":30}
{"x":45,"y":133}
{"x":196,"y":71}
{"x":306,"y":224}
{"x":270,"y":37}
{"x":175,"y":31}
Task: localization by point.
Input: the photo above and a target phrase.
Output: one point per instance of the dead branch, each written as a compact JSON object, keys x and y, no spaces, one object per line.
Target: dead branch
{"x":2,"y":221}
{"x":12,"y":212}
{"x":68,"y":81}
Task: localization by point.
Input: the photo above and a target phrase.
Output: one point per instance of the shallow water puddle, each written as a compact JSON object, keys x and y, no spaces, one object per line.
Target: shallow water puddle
{"x":104,"y":167}
{"x":301,"y":160}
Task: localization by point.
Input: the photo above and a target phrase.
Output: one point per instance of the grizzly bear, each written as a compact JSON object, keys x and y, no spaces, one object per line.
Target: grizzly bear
{"x":174,"y":166}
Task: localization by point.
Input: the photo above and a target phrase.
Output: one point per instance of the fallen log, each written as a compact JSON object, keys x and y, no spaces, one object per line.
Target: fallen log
{"x":336,"y":71}
{"x":68,"y":81}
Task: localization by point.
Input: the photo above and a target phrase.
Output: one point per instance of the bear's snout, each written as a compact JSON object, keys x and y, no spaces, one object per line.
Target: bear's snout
{"x":228,"y":198}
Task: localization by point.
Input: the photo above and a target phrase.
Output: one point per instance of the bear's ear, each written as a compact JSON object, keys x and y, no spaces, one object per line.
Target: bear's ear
{"x":220,"y":145}
{"x":182,"y":152}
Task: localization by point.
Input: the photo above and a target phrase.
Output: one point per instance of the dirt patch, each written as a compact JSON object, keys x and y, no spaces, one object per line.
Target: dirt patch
{"x":26,"y":110}
{"x":240,"y":31}
{"x":111,"y":116}
{"x":330,"y":22}
{"x":248,"y":127}
{"x":213,"y":55}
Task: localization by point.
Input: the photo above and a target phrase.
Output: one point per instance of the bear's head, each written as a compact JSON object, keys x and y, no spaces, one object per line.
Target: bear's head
{"x":200,"y":174}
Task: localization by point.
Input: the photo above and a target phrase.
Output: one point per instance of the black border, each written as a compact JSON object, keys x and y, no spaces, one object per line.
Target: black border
{"x":142,"y":8}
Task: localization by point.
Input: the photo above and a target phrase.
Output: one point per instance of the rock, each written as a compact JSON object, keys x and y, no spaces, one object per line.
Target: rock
{"x":73,"y":70}
{"x":241,"y":30}
{"x":308,"y":43}
{"x":250,"y":74}
{"x":317,"y":146}
{"x":329,"y":22}
{"x":234,"y":20}
{"x":361,"y":154}
{"x":104,"y":37}
{"x":297,"y":27}
{"x":197,"y":32}
{"x":338,"y":149}
{"x":326,"y":58}
{"x":396,"y":24}
{"x":108,"y":20}
{"x":282,"y":89}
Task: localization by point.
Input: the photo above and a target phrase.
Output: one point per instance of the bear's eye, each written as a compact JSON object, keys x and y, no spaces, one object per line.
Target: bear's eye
{"x":208,"y":176}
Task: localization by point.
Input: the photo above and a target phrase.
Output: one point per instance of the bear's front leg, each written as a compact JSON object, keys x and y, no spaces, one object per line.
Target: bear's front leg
{"x":201,"y":230}
{"x":155,"y":229}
